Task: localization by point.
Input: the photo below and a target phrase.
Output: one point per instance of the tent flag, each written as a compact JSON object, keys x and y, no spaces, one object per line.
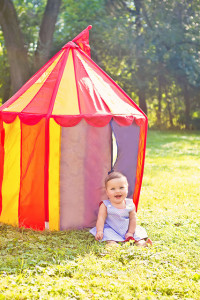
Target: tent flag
{"x":82,"y":40}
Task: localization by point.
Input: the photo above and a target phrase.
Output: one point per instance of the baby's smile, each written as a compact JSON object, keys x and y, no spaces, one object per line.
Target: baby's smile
{"x":118,"y":196}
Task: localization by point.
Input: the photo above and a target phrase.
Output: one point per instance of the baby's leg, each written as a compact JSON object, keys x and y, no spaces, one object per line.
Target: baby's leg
{"x":144,"y":243}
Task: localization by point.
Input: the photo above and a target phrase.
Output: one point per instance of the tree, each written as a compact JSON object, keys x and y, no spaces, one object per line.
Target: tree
{"x":15,"y":45}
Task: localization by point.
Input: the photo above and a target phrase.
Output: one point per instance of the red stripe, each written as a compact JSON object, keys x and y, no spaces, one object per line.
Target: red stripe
{"x":76,"y":82}
{"x":140,"y":162}
{"x":41,"y":101}
{"x":46,"y":171}
{"x":114,"y":83}
{"x":51,"y":105}
{"x":90,"y":101}
{"x":30,"y":82}
{"x":31,"y":196}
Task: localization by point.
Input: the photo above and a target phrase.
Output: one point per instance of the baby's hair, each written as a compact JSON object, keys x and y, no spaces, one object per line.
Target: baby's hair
{"x":114,"y":175}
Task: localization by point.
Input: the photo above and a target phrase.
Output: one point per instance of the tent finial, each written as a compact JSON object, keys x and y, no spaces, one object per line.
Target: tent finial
{"x":82,"y":40}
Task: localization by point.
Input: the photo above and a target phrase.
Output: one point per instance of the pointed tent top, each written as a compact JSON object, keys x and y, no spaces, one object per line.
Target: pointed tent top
{"x":82,"y":40}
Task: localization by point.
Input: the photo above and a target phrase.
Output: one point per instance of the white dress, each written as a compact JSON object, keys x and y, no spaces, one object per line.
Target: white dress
{"x":117,"y":223}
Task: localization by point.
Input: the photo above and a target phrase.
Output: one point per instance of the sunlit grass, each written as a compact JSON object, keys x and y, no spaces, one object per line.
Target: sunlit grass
{"x":71,"y":265}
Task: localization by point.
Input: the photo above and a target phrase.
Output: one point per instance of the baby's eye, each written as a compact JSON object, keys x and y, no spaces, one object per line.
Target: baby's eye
{"x":112,"y":189}
{"x":121,"y":188}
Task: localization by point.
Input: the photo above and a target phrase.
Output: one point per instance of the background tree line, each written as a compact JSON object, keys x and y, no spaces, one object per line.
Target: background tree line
{"x":150,"y":48}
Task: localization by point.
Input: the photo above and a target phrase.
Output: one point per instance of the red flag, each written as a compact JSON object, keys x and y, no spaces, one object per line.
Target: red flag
{"x":82,"y":40}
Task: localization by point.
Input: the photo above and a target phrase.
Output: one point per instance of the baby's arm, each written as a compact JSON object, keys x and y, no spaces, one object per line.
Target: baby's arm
{"x":132,"y":224}
{"x":100,"y":221}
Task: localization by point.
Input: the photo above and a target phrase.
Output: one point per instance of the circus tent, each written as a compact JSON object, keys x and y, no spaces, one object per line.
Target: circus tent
{"x":57,"y":137}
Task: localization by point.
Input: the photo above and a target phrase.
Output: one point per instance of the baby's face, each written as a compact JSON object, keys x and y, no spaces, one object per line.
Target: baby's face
{"x":117,"y":190}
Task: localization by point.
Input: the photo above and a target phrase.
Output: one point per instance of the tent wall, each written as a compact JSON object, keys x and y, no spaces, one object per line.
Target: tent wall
{"x":79,"y":160}
{"x":22,"y":188}
{"x":127,"y":138}
{"x":85,"y":161}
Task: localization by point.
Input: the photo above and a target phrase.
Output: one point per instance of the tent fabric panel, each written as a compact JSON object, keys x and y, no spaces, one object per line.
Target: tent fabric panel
{"x":66,"y":101}
{"x":85,"y":161}
{"x":21,"y":103}
{"x":11,"y":173}
{"x":30,"y":82}
{"x":41,"y":101}
{"x":54,"y":175}
{"x":127,"y":139}
{"x":72,"y":166}
{"x":89,"y":97}
{"x":2,"y":137}
{"x":140,"y":162}
{"x":117,"y":102}
{"x":98,"y":163}
{"x":31,"y":204}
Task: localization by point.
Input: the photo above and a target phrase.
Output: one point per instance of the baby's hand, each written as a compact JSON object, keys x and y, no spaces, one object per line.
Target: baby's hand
{"x":128,"y":234}
{"x":99,"y":235}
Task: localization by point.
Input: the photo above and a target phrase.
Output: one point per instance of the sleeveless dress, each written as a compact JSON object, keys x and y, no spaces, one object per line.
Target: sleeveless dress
{"x":117,"y":223}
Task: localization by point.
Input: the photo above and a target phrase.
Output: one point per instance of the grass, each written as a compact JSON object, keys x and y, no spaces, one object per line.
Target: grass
{"x":71,"y":265}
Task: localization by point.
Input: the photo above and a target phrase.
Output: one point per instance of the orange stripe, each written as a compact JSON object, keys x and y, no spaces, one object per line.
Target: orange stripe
{"x":31,"y":205}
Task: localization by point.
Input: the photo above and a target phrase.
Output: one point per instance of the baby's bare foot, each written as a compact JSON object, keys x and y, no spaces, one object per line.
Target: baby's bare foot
{"x":141,"y":243}
{"x":111,"y":243}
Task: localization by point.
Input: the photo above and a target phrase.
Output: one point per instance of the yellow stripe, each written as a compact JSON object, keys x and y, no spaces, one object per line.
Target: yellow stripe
{"x":29,"y":94}
{"x":11,"y":175}
{"x":66,"y":102}
{"x":54,"y":175}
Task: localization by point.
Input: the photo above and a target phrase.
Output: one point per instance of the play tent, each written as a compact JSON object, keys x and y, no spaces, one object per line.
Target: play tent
{"x":57,"y":138}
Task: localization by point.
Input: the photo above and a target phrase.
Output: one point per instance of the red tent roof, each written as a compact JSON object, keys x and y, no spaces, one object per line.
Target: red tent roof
{"x":69,"y":87}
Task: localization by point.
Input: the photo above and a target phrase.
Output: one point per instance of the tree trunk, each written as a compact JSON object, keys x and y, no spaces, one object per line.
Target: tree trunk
{"x":140,"y":58}
{"x":17,"y":54}
{"x":169,"y":110}
{"x":170,"y":114}
{"x":142,"y":101}
{"x":6,"y":90}
{"x":159,"y":100}
{"x":187,"y":106}
{"x":46,"y":33}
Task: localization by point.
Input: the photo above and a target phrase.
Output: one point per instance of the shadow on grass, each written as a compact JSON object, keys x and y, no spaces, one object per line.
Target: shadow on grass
{"x":27,"y":249}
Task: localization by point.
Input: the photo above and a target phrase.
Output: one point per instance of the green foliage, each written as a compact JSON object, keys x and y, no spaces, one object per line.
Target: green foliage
{"x":71,"y":265}
{"x":153,"y":49}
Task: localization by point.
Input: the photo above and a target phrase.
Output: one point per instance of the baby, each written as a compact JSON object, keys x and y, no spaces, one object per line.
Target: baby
{"x":116,"y":220}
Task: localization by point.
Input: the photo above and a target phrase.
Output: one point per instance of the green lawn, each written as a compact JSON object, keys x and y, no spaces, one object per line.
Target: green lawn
{"x":71,"y":265}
